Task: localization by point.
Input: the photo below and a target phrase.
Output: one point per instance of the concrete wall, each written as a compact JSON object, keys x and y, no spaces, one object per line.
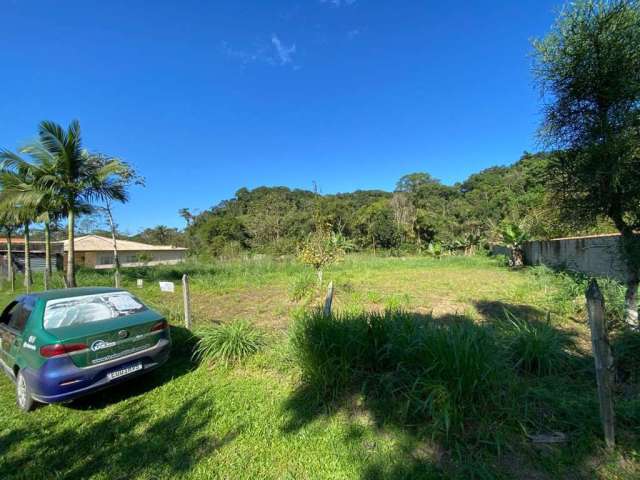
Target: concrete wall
{"x":595,"y":255}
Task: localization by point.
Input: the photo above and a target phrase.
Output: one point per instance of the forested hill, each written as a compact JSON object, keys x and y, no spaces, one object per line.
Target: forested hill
{"x":420,"y":211}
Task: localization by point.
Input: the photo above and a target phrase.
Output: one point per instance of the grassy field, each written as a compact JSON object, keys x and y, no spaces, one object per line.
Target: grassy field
{"x":258,"y":420}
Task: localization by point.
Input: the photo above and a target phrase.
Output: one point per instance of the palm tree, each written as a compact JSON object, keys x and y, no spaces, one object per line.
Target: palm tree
{"x":13,"y":182}
{"x":8,"y":222}
{"x":21,"y":195}
{"x":69,"y":175}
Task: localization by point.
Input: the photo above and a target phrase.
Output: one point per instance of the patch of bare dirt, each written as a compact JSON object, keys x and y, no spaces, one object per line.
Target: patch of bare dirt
{"x":265,"y":306}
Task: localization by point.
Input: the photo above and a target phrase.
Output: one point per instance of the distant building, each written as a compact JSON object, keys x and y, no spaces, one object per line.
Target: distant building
{"x":36,"y":254}
{"x":93,"y":251}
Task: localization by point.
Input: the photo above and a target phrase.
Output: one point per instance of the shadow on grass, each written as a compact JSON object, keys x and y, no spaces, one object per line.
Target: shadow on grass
{"x":137,"y":440}
{"x":180,"y":362}
{"x":166,"y":438}
{"x":456,"y":381}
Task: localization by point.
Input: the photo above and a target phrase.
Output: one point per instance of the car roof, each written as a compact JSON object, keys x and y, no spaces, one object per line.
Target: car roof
{"x":67,"y":293}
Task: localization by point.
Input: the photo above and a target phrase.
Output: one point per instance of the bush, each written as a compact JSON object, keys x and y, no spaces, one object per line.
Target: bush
{"x":228,"y":343}
{"x":626,"y":355}
{"x":302,"y":286}
{"x":442,"y":372}
{"x":535,"y":347}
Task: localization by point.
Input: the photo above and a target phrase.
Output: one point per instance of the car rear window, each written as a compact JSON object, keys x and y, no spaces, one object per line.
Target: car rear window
{"x":64,"y":312}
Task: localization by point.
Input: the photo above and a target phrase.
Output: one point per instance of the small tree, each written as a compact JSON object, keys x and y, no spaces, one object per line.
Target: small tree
{"x":125,"y":178}
{"x":319,"y":250}
{"x":589,"y":69}
{"x":144,"y":258}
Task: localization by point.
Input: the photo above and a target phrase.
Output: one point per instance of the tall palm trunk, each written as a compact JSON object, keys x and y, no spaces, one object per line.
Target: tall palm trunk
{"x":10,"y":274}
{"x":116,"y":258}
{"x":27,"y":259}
{"x":47,"y":255}
{"x":71,"y":250}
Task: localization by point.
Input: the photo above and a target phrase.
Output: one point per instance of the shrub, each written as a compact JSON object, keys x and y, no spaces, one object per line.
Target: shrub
{"x":626,"y":355}
{"x":443,"y":372}
{"x":302,"y":286}
{"x":228,"y":343}
{"x":535,"y":347}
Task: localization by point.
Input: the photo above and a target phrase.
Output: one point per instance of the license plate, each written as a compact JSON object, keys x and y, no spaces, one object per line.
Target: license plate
{"x":124,"y":371}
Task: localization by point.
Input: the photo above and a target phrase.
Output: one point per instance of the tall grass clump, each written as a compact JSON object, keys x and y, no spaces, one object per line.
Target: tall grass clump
{"x":626,"y":354}
{"x":535,"y":347}
{"x":414,"y":366}
{"x":228,"y":343}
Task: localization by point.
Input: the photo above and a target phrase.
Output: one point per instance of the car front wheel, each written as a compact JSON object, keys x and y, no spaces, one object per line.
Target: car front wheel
{"x":23,"y":394}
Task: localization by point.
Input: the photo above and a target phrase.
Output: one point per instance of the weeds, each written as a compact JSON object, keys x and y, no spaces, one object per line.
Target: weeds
{"x":302,"y":286}
{"x":228,"y":343}
{"x":534,"y":347}
{"x":443,"y":372}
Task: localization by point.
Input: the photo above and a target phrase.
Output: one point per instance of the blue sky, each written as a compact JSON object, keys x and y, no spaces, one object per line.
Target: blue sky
{"x":206,"y":97}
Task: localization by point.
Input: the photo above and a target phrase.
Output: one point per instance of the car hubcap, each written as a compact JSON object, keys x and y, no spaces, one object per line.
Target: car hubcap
{"x":22,"y":391}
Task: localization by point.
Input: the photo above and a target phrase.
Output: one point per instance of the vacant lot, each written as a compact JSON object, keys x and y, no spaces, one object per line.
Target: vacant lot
{"x":253,"y":420}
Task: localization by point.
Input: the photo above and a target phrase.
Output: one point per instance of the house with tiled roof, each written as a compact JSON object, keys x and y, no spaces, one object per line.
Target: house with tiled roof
{"x":94,"y":251}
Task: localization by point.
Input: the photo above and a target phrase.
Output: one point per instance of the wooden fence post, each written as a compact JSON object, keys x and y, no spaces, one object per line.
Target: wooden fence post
{"x":328,"y":301}
{"x":603,"y":360}
{"x":187,"y":301}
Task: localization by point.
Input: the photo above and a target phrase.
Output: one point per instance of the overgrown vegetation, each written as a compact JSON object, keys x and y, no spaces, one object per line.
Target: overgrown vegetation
{"x":384,"y":414}
{"x":420,"y":212}
{"x":438,"y":372}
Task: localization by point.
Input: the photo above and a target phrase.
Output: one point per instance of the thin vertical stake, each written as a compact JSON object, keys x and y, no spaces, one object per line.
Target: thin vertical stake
{"x":603,"y":360}
{"x":328,"y":301}
{"x":187,"y":301}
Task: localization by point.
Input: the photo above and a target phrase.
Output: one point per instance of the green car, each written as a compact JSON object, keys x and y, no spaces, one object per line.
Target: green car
{"x":62,"y":344}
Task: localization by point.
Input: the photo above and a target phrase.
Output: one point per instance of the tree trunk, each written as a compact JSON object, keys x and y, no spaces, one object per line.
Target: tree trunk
{"x":10,"y":273}
{"x":631,"y":252}
{"x":47,"y":256}
{"x":71,"y":251}
{"x":116,"y":258}
{"x":27,"y":259}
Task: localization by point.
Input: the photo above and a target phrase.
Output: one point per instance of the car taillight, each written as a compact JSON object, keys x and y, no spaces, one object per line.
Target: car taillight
{"x":61,"y":349}
{"x":161,"y":325}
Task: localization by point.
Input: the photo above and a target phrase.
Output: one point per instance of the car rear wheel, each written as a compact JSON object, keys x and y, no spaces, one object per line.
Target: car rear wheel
{"x":23,"y":394}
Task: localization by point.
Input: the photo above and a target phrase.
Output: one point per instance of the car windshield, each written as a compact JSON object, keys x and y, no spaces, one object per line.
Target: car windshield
{"x":64,"y":312}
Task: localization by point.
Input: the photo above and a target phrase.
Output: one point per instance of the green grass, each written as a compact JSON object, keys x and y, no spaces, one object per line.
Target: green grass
{"x":443,"y":353}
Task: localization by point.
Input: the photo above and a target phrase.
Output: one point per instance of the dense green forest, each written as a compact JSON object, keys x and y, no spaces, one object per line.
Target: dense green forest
{"x":421,"y":211}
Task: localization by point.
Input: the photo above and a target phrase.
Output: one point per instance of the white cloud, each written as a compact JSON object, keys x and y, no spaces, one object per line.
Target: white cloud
{"x":284,"y":53}
{"x":256,"y":55}
{"x":339,"y":3}
{"x":275,"y":53}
